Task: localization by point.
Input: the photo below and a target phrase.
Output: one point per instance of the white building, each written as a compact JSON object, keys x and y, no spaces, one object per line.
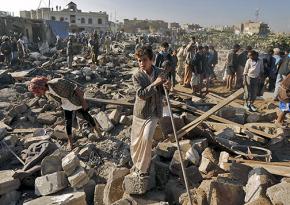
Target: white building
{"x":78,"y":20}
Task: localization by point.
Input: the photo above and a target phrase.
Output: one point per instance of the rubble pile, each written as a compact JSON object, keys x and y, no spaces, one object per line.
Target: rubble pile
{"x":227,"y":157}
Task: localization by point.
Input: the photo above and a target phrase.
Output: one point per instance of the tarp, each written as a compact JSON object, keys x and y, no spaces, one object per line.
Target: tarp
{"x":59,"y":28}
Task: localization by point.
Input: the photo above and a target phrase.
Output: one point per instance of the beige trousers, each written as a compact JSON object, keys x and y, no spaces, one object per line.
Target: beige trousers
{"x":141,"y":142}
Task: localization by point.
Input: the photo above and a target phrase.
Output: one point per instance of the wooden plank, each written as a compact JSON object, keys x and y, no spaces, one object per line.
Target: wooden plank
{"x":28,"y":130}
{"x":183,"y":131}
{"x":219,"y":99}
{"x":112,"y":102}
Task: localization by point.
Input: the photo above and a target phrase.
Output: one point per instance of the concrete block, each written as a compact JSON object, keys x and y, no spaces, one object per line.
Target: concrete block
{"x":99,"y":194}
{"x":165,"y":149}
{"x":279,"y":193}
{"x":7,"y":182}
{"x":50,"y":183}
{"x":50,"y":164}
{"x":79,"y":178}
{"x":69,"y":163}
{"x":104,"y":121}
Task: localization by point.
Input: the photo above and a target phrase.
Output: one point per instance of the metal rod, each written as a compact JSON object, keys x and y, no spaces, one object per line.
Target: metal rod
{"x":15,"y":155}
{"x":178,"y":146}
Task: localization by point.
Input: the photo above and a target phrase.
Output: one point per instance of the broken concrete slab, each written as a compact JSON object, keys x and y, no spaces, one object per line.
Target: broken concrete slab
{"x":59,"y":133}
{"x":104,"y":121}
{"x":226,"y":192}
{"x":258,"y":183}
{"x":7,"y":182}
{"x":193,"y":175}
{"x":223,"y":160}
{"x":46,"y":118}
{"x":115,"y":116}
{"x":240,"y":172}
{"x":79,"y":178}
{"x":199,"y":145}
{"x":192,"y":155}
{"x":70,"y":163}
{"x":165,"y":149}
{"x":113,"y":190}
{"x":198,"y":196}
{"x":73,"y":198}
{"x":50,"y":164}
{"x":99,"y":194}
{"x":50,"y":183}
{"x":134,"y":184}
{"x":279,"y":193}
{"x":175,"y":164}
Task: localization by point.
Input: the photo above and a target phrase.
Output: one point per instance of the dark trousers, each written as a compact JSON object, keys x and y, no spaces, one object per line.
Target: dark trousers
{"x":251,"y":89}
{"x":68,"y":116}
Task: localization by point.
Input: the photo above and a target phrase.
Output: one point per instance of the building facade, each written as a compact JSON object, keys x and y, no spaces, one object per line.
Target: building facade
{"x":145,"y":26}
{"x":78,"y":21}
{"x":252,"y":28}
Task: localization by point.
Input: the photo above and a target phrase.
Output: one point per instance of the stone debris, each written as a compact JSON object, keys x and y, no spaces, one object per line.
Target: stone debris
{"x":50,"y":183}
{"x":220,"y":159}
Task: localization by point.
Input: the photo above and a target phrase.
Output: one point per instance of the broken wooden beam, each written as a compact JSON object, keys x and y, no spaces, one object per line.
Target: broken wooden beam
{"x":112,"y":102}
{"x":187,"y":128}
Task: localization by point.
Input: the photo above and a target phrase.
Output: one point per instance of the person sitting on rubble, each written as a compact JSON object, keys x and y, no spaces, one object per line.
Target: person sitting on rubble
{"x":69,"y":52}
{"x":148,"y":82}
{"x":254,"y":70}
{"x":6,"y":50}
{"x":71,"y":98}
{"x":284,"y":98}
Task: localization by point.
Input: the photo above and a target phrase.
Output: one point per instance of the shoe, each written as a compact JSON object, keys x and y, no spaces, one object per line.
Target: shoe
{"x":247,"y":107}
{"x":253,"y":108}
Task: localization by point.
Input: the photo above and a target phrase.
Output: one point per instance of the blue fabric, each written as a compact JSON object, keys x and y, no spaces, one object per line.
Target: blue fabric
{"x":59,"y":28}
{"x":284,"y":107}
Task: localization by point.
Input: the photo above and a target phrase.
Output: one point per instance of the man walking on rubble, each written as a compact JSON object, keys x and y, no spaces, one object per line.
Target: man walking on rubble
{"x":94,"y":44}
{"x":6,"y":50}
{"x":232,"y":66}
{"x":71,"y":98}
{"x":21,"y":50}
{"x":69,"y":52}
{"x":148,"y":82}
{"x":180,"y":63}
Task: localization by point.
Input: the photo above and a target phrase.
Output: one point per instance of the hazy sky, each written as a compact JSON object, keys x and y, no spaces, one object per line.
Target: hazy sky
{"x":205,"y":12}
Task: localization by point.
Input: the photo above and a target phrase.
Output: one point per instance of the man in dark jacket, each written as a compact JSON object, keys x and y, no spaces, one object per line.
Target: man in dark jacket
{"x":6,"y":50}
{"x":163,"y":55}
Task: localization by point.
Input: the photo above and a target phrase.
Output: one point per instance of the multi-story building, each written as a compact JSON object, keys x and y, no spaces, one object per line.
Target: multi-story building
{"x":147,"y":26}
{"x":78,"y":20}
{"x":252,"y":28}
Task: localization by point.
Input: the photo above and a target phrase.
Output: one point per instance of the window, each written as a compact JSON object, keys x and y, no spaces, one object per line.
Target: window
{"x":61,"y":19}
{"x":72,"y":18}
{"x":53,"y":18}
{"x":100,"y":21}
{"x":83,"y":20}
{"x":90,"y":21}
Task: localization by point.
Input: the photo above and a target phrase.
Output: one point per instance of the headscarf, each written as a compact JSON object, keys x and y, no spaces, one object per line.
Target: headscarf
{"x":38,"y":85}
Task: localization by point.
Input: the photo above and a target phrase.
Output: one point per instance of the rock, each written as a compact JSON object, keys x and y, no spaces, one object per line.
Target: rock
{"x":193,"y":156}
{"x":193,"y":175}
{"x":223,"y":159}
{"x":99,"y":194}
{"x":185,"y":145}
{"x":150,"y":198}
{"x":259,"y":181}
{"x":279,"y":193}
{"x":166,"y":125}
{"x":59,"y":133}
{"x":50,"y":164}
{"x":11,"y":198}
{"x":269,"y":116}
{"x":79,"y":178}
{"x":113,"y":190}
{"x":11,"y":140}
{"x":200,"y":145}
{"x":17,"y":110}
{"x":226,"y":192}
{"x":74,"y":198}
{"x":125,"y":120}
{"x":3,"y":133}
{"x":50,"y":183}
{"x":197,"y":195}
{"x":210,"y":154}
{"x":133,"y":184}
{"x":173,"y":190}
{"x":253,"y":117}
{"x":32,"y":102}
{"x":104,"y":121}
{"x":260,"y":201}
{"x":70,"y":163}
{"x":31,"y":140}
{"x":165,"y":149}
{"x":115,"y":116}
{"x":226,"y":133}
{"x":175,"y":164}
{"x":162,"y":172}
{"x":46,"y":118}
{"x":7,"y":182}
{"x":240,"y":172}
{"x":85,"y":152}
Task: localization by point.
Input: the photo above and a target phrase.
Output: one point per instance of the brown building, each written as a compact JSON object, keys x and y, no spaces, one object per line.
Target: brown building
{"x":150,"y":26}
{"x":252,"y":28}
